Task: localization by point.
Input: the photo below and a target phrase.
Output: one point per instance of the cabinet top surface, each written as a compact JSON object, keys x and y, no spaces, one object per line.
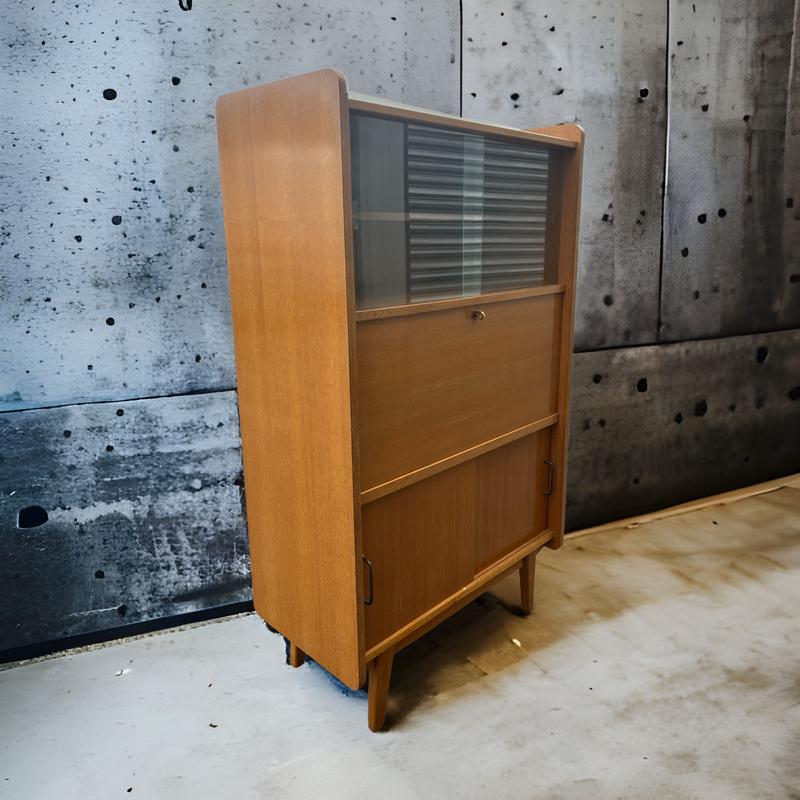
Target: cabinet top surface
{"x":380,"y":107}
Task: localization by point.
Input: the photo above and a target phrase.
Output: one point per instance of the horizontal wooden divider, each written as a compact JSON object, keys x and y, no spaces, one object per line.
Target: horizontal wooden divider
{"x":458,"y":302}
{"x":458,"y":458}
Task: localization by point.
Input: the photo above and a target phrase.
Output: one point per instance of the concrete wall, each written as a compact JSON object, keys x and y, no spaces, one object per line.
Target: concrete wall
{"x":117,"y":378}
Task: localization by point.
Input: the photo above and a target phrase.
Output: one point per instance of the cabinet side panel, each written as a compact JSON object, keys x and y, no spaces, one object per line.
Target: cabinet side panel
{"x":284,"y":163}
{"x":567,"y":269}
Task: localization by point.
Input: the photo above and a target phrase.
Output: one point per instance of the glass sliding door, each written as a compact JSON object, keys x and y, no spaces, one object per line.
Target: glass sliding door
{"x":438,"y":213}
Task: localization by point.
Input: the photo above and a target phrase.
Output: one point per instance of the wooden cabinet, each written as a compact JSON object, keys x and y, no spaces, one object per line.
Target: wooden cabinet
{"x":402,"y":286}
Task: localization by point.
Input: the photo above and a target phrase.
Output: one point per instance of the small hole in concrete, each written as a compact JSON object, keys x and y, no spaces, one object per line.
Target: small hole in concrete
{"x":636,"y":481}
{"x":597,"y":378}
{"x":176,"y":81}
{"x":99,"y":574}
{"x":120,"y":412}
{"x":685,"y":252}
{"x":794,"y":394}
{"x":110,"y":321}
{"x":109,"y":94}
{"x":722,"y":212}
{"x":702,"y":219}
{"x":704,"y":108}
{"x":679,"y":418}
{"x":109,"y":448}
{"x":761,"y":354}
{"x":697,"y":295}
{"x":67,"y":434}
{"x":608,"y":300}
{"x":515,"y":96}
{"x":31,"y":517}
{"x":644,"y":92}
{"x":641,"y":386}
{"x":701,"y":408}
{"x":122,"y":610}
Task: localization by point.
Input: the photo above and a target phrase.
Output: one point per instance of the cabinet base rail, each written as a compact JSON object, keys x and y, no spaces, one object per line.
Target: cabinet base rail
{"x":482,"y":582}
{"x":380,"y":658}
{"x":379,"y":666}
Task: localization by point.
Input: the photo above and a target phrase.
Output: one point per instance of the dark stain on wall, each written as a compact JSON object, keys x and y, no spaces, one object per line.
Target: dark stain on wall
{"x":148,"y":527}
{"x":743,"y":257}
{"x":698,"y":430}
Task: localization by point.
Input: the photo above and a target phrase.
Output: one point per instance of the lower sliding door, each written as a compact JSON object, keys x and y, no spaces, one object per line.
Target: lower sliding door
{"x":511,"y":504}
{"x":419,"y":542}
{"x":432,"y":538}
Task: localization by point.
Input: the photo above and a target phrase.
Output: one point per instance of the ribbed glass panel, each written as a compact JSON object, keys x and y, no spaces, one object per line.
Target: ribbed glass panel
{"x":477,"y":214}
{"x":475,"y":211}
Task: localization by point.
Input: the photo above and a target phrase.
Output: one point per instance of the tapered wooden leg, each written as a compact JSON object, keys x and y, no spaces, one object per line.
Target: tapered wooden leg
{"x":379,"y":675}
{"x":296,"y":656}
{"x":527,"y":573}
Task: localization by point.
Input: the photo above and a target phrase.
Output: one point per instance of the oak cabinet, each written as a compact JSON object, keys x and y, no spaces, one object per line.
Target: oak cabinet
{"x":402,"y":287}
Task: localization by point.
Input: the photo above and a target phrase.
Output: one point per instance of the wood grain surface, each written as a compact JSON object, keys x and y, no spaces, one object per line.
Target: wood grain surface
{"x":510,"y":507}
{"x":420,"y":542}
{"x":446,"y":463}
{"x":455,"y":302}
{"x":435,"y":384}
{"x":567,"y":274}
{"x":483,"y":582}
{"x":284,"y":163}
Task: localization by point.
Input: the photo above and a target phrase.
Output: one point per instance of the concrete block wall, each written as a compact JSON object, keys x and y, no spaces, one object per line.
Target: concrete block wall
{"x":117,"y":378}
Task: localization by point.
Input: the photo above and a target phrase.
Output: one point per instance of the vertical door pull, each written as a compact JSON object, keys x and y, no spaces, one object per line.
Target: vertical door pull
{"x":552,"y":478}
{"x":371,"y":582}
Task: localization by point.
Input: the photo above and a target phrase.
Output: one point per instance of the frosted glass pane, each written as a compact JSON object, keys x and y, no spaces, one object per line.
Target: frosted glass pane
{"x":440,"y":213}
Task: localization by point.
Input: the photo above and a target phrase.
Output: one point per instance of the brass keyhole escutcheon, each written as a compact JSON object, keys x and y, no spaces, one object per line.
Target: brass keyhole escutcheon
{"x":478,"y":315}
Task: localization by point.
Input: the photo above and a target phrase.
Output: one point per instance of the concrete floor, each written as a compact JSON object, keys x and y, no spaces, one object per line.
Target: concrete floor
{"x":661,"y":662}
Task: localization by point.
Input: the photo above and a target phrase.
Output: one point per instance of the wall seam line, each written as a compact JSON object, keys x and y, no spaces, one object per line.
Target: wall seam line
{"x":116,"y":401}
{"x":665,"y":180}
